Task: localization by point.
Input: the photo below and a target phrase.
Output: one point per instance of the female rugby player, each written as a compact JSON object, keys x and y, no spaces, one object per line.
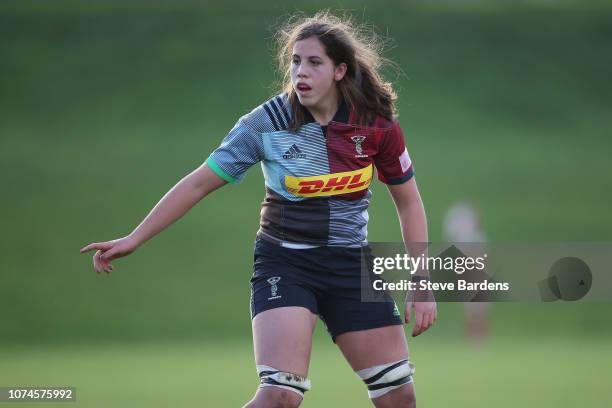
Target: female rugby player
{"x":318,"y":142}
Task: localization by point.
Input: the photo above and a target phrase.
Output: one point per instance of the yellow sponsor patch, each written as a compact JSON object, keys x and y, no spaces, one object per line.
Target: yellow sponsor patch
{"x":330,"y":184}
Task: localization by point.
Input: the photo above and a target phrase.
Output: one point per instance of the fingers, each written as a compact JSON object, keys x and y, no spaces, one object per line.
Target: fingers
{"x":101,"y":264}
{"x":430,"y":320}
{"x":110,"y":254}
{"x":101,"y":259}
{"x":427,"y":320}
{"x":408,"y":312}
{"x":96,"y":261}
{"x":418,"y":324}
{"x":97,"y":245}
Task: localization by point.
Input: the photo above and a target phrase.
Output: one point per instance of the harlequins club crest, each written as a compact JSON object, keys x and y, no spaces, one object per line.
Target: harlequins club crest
{"x":358,"y":140}
{"x":274,"y":287}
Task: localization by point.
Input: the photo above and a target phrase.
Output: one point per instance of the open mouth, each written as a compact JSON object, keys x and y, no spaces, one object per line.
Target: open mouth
{"x":303,"y":87}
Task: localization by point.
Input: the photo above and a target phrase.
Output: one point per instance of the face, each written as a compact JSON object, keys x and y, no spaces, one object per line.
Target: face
{"x":313,"y":73}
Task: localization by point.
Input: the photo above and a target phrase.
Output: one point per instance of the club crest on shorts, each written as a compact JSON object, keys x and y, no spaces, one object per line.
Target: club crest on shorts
{"x":358,"y":140}
{"x":273,"y":287}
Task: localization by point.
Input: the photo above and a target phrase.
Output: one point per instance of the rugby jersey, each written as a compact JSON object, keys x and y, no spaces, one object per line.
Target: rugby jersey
{"x":317,"y":179}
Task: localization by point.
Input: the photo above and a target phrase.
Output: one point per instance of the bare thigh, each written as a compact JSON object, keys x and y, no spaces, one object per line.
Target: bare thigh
{"x":368,"y":348}
{"x":282,"y":338}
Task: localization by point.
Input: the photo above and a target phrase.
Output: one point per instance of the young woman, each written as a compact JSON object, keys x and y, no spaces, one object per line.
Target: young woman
{"x":318,"y":142}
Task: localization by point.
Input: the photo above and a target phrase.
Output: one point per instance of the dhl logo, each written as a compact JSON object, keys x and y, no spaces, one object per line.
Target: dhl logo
{"x":330,"y":184}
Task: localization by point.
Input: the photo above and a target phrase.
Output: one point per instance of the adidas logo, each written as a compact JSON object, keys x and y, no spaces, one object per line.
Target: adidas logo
{"x":294,"y":152}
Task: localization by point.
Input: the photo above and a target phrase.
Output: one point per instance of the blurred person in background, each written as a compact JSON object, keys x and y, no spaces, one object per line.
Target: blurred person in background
{"x":318,"y":142}
{"x":462,"y":224}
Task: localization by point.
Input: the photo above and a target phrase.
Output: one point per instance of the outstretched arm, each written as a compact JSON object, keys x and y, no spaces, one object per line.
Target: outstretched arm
{"x":173,"y":205}
{"x":413,"y":222}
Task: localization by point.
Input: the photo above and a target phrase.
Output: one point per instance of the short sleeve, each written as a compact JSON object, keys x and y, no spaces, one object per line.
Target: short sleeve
{"x":392,"y":161}
{"x":239,"y":150}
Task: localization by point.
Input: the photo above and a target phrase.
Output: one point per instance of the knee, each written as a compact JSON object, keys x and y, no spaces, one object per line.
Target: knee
{"x":284,"y":399}
{"x":279,"y":399}
{"x":402,"y":397}
{"x":406,"y":397}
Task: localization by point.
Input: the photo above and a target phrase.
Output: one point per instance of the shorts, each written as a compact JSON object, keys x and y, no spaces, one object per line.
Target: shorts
{"x":325,"y":280}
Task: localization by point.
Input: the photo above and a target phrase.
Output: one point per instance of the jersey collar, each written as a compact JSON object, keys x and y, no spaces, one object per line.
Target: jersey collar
{"x":341,"y":116}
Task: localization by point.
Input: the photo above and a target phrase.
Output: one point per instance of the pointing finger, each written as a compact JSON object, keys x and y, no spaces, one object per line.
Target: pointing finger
{"x":96,"y":245}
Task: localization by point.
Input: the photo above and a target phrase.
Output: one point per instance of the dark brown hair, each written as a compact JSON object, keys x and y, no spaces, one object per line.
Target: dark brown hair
{"x":362,"y":87}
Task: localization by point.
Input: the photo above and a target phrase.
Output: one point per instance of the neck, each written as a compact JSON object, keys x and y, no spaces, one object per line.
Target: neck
{"x":324,"y":112}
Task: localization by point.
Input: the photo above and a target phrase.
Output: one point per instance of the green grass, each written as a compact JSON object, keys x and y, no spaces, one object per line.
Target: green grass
{"x":531,"y":372}
{"x":105,"y":107}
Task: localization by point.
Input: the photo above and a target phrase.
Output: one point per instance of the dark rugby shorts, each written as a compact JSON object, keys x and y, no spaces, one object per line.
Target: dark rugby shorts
{"x":325,"y":280}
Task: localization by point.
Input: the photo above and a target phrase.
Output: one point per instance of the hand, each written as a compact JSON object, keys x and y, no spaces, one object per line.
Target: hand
{"x":425,"y":311}
{"x":110,"y":250}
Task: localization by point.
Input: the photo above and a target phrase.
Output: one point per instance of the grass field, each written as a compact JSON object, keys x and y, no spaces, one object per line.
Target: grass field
{"x":508,"y":373}
{"x":105,"y":108}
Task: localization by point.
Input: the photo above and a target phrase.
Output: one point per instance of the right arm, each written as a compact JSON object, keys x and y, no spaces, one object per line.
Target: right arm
{"x":175,"y":203}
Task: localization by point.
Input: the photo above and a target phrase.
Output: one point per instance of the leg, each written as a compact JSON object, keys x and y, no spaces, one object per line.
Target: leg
{"x":282,"y":339}
{"x":368,"y":348}
{"x":477,"y":322}
{"x":284,"y":313}
{"x":369,"y":334}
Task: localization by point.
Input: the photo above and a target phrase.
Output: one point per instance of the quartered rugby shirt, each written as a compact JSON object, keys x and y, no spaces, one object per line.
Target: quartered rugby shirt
{"x":317,"y":179}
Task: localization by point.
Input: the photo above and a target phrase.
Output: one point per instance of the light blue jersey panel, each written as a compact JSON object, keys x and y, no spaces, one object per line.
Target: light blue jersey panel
{"x":300,"y":154}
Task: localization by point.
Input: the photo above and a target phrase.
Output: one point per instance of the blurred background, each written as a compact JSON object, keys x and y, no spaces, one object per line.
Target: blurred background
{"x":105,"y":105}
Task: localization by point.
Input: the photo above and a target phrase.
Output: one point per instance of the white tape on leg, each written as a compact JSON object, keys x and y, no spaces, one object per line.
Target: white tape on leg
{"x":271,"y":377}
{"x":383,"y":378}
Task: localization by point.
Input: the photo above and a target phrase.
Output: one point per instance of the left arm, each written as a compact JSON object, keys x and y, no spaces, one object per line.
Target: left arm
{"x":413,"y":223}
{"x":410,"y":211}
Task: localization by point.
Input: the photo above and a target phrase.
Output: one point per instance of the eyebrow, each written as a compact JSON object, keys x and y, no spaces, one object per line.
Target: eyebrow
{"x":310,"y":56}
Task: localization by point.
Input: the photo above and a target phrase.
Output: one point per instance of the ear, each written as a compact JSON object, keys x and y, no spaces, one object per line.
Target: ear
{"x":340,"y":71}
